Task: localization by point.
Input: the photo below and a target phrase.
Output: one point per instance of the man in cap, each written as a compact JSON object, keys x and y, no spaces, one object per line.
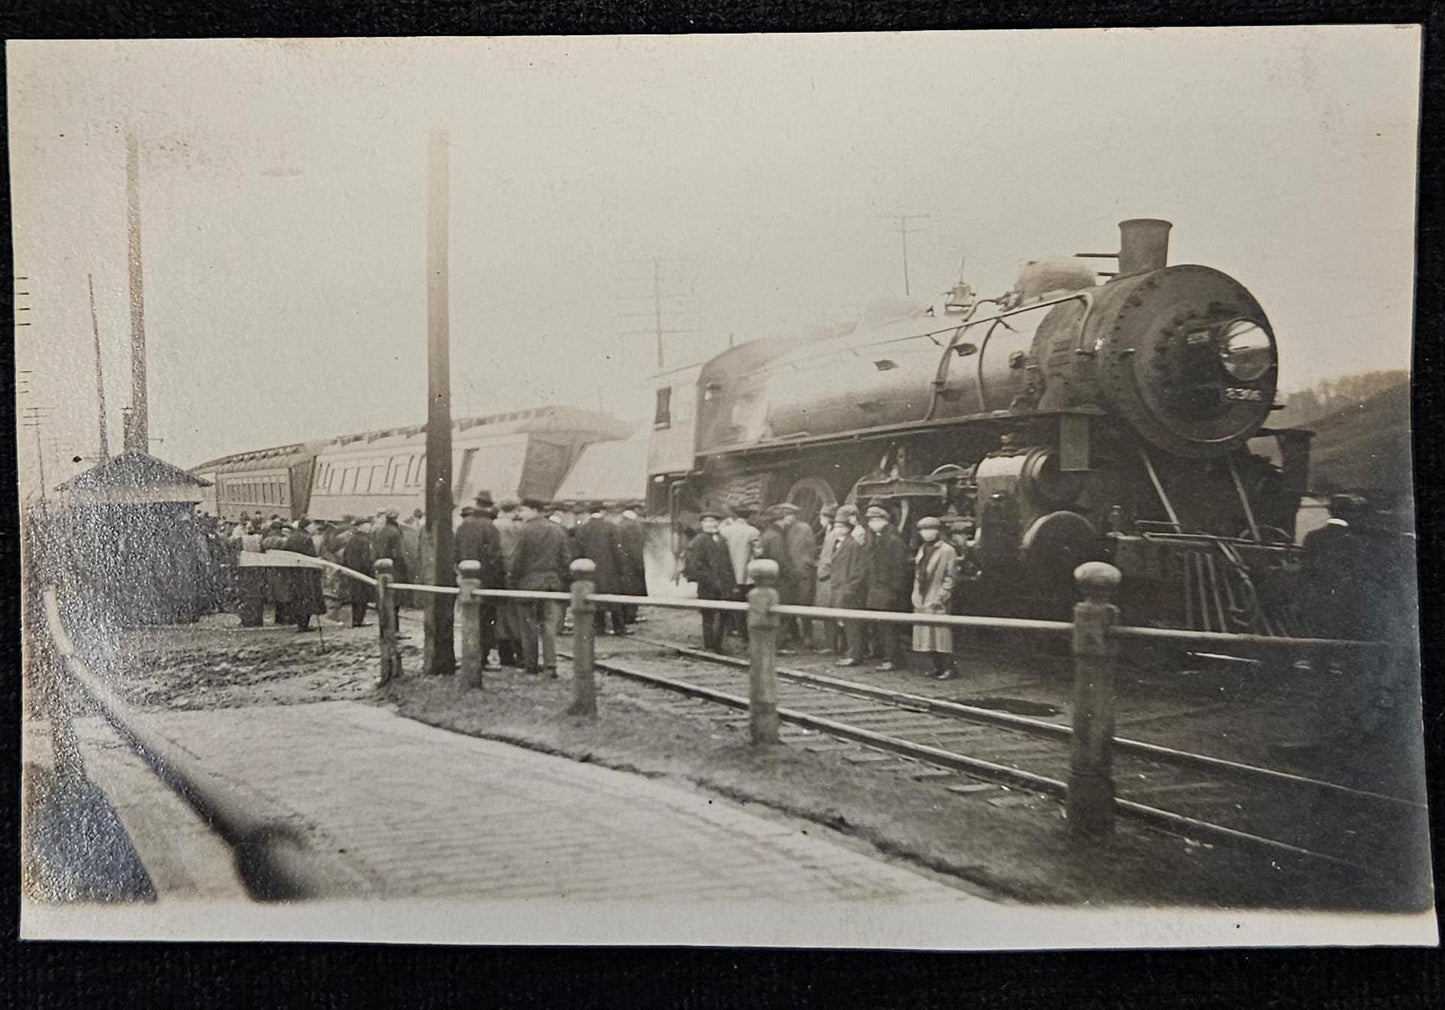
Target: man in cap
{"x":790,"y":544}
{"x":598,"y":540}
{"x":933,"y":568}
{"x":849,"y":578}
{"x":477,"y":539}
{"x":709,"y":565}
{"x":540,"y":564}
{"x":633,"y":539}
{"x":833,"y":539}
{"x":890,"y":581}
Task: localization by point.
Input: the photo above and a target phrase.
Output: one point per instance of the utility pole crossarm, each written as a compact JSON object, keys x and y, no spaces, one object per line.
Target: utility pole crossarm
{"x":903,"y":218}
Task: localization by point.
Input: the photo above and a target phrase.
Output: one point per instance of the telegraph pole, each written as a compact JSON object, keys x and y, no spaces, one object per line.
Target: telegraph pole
{"x":34,"y":418}
{"x":99,"y":371}
{"x":903,"y":218}
{"x":137,"y":433}
{"x":439,"y":651}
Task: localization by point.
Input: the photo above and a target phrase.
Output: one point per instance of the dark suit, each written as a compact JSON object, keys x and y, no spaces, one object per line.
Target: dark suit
{"x":600,"y":542}
{"x":302,"y":587}
{"x":634,"y":563}
{"x":890,"y":587}
{"x":356,"y":555}
{"x":540,"y":563}
{"x":849,"y":577}
{"x":477,"y":540}
{"x":709,"y":564}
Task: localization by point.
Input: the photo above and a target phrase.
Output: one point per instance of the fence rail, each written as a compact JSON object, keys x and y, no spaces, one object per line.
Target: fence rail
{"x":1095,"y":635}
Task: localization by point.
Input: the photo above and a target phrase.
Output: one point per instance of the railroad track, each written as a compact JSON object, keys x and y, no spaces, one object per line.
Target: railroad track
{"x":1278,"y":814}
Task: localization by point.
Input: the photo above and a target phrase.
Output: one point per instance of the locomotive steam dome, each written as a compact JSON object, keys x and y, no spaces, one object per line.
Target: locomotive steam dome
{"x":1186,"y":356}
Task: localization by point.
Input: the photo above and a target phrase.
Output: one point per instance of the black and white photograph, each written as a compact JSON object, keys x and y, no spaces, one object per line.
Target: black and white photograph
{"x":939,"y":490}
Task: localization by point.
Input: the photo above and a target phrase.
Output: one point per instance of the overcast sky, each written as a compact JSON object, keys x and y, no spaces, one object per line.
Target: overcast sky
{"x":283,"y":202}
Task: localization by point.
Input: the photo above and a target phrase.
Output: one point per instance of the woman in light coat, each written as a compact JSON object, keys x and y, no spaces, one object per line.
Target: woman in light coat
{"x":932,"y":589}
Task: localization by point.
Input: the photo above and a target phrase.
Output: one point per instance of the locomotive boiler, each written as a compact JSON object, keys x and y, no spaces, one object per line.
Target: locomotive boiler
{"x":1078,"y":416}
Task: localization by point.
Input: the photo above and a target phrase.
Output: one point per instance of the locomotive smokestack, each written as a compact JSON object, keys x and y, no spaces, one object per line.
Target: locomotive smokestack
{"x":1143,"y":245}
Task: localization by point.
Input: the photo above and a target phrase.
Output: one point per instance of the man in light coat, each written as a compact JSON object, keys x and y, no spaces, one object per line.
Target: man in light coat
{"x":932,"y":591}
{"x":831,"y":632}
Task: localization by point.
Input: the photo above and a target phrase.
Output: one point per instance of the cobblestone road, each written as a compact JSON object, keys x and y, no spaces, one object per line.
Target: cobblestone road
{"x":409,"y":811}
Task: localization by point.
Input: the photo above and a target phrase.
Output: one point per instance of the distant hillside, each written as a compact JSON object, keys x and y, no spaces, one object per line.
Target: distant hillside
{"x":1365,"y":445}
{"x":1332,"y":396}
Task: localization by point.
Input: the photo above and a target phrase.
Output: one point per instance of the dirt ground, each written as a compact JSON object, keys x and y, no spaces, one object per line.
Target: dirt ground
{"x":1012,"y":843}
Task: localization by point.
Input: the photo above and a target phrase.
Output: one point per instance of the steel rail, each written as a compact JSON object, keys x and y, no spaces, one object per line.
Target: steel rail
{"x":272,"y":857}
{"x":1040,"y":727}
{"x":1167,"y":820}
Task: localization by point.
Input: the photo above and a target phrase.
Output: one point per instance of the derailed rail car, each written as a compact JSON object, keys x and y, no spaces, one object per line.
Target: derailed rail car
{"x":1076,"y":417}
{"x":261,"y":481}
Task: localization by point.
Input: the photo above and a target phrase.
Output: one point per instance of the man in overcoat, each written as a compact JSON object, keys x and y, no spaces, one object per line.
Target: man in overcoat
{"x":709,"y":565}
{"x":890,"y":582}
{"x":849,"y":578}
{"x":933,"y":568}
{"x":509,"y":614}
{"x":250,"y":580}
{"x":540,"y":564}
{"x":598,"y":540}
{"x":386,"y":542}
{"x":634,"y":560}
{"x":792,"y":552}
{"x":477,"y":539}
{"x":278,"y":586}
{"x":304,"y":584}
{"x":839,"y":527}
{"x":356,"y":555}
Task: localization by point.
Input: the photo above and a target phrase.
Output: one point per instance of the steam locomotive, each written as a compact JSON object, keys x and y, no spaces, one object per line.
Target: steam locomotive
{"x":1079,"y":416}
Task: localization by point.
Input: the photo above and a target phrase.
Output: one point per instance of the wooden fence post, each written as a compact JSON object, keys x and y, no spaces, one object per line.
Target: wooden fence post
{"x":584,"y":639}
{"x":763,"y":652}
{"x":469,"y":605}
{"x":386,"y":619}
{"x":1091,"y":781}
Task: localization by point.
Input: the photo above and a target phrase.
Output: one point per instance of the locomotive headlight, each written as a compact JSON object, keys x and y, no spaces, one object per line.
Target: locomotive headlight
{"x":1247,"y":351}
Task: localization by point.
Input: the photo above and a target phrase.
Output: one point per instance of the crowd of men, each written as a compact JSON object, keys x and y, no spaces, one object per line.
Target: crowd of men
{"x":853,"y":560}
{"x":526,"y":544}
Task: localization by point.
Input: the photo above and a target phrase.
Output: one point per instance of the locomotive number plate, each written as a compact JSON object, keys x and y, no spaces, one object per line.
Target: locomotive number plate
{"x":1243,"y":393}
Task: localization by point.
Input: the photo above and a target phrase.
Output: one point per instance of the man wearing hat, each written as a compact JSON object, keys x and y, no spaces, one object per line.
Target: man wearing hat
{"x":386,"y":543}
{"x":476,"y":539}
{"x":890,"y":583}
{"x":509,"y":614}
{"x":834,"y":537}
{"x":301,"y":587}
{"x":932,"y":592}
{"x":541,"y":564}
{"x":597,"y":540}
{"x":633,"y":539}
{"x":790,"y":544}
{"x":709,"y":565}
